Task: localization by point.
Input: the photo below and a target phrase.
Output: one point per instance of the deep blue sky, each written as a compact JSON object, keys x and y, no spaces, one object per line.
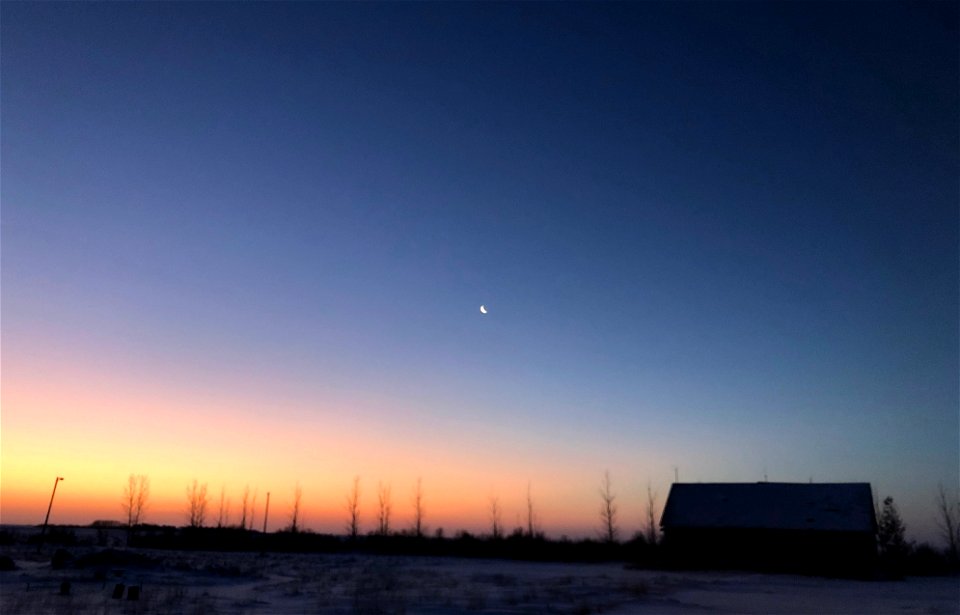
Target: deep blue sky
{"x":719,"y":236}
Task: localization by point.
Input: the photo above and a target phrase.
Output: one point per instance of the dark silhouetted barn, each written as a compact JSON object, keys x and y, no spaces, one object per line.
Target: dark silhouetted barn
{"x":819,"y":528}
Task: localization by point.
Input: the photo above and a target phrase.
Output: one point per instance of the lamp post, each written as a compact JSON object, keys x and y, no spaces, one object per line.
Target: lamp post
{"x":47,"y":518}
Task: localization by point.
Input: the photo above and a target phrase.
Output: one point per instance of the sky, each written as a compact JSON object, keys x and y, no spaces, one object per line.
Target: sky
{"x":248,"y":243}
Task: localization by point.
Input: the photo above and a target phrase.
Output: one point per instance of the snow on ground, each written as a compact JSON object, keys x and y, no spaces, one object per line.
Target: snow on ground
{"x":278,"y":583}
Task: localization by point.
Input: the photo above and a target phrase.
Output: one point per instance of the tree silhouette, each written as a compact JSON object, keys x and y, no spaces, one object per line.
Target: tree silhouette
{"x":196,"y":504}
{"x":295,"y":510}
{"x":223,"y":512}
{"x":244,"y":507}
{"x":651,"y":529}
{"x":496,"y":524}
{"x":891,"y":536}
{"x":608,"y":510}
{"x":353,"y":508}
{"x":948,"y":520}
{"x":418,"y":508}
{"x":135,"y":496}
{"x":383,"y":515}
{"x":253,"y":509}
{"x":532,"y":529}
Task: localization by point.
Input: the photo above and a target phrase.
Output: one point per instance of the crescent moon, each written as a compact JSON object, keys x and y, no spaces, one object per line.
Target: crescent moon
{"x":483,"y":309}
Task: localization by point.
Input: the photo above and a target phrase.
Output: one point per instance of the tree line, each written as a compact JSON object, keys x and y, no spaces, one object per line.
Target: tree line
{"x":891,"y":531}
{"x":198,"y":506}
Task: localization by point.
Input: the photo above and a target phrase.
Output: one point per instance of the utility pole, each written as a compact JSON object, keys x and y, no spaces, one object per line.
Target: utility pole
{"x":50,"y":507}
{"x":265,"y":511}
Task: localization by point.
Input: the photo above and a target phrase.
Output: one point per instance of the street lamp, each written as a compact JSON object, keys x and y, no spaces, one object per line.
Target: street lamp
{"x":47,"y":518}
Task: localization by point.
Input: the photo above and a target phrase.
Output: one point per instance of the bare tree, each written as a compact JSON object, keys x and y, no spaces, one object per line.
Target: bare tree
{"x":608,"y":510}
{"x":135,"y":496}
{"x":948,"y":519}
{"x":223,"y":512}
{"x":244,"y":507}
{"x":143,"y":495}
{"x":353,"y":508}
{"x":383,"y":516}
{"x":253,"y":509}
{"x":532,"y":529}
{"x":418,"y":508}
{"x":295,"y":510}
{"x":651,"y":529}
{"x":496,"y":522}
{"x":196,"y":504}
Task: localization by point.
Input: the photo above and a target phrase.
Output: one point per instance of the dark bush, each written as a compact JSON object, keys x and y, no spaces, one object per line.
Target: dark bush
{"x":6,"y":563}
{"x":55,"y":536}
{"x":924,"y":560}
{"x":61,"y":559}
{"x":112,"y":558}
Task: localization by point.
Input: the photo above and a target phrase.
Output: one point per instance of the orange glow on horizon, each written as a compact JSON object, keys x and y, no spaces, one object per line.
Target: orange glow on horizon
{"x":96,"y":433}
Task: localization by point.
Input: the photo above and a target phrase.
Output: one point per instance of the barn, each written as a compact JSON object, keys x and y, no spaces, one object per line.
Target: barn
{"x":815,"y":528}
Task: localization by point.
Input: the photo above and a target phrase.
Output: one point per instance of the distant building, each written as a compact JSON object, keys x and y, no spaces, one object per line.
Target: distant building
{"x":825,"y":528}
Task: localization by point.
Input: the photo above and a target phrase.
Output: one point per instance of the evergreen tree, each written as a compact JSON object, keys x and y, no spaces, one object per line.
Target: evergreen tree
{"x":891,"y":536}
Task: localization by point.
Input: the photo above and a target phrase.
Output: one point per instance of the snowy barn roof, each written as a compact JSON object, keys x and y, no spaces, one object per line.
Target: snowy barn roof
{"x":844,"y":507}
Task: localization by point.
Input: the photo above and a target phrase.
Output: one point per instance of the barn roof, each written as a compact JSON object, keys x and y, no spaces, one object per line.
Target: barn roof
{"x":793,"y":506}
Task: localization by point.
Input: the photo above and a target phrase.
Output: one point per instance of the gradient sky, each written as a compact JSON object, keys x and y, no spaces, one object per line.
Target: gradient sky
{"x":247,"y":243}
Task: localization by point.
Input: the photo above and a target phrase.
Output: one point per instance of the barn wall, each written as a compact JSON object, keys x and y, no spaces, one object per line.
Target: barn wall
{"x":848,"y":554}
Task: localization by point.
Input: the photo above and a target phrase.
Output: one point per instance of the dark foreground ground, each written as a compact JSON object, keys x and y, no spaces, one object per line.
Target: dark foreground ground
{"x":251,"y":583}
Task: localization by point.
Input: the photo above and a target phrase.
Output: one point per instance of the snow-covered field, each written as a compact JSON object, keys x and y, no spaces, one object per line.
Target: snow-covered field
{"x":248,"y":583}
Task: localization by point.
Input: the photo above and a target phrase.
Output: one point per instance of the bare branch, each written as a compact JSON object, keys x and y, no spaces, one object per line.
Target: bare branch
{"x":223,"y":512}
{"x":353,"y":508}
{"x":196,"y":504}
{"x":245,"y":507}
{"x":135,"y":497}
{"x":948,"y":520}
{"x":383,"y":517}
{"x":295,"y":509}
{"x":651,"y":529}
{"x":418,"y":508}
{"x":253,"y":509}
{"x":496,"y":524}
{"x":532,"y":527}
{"x":608,"y":510}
